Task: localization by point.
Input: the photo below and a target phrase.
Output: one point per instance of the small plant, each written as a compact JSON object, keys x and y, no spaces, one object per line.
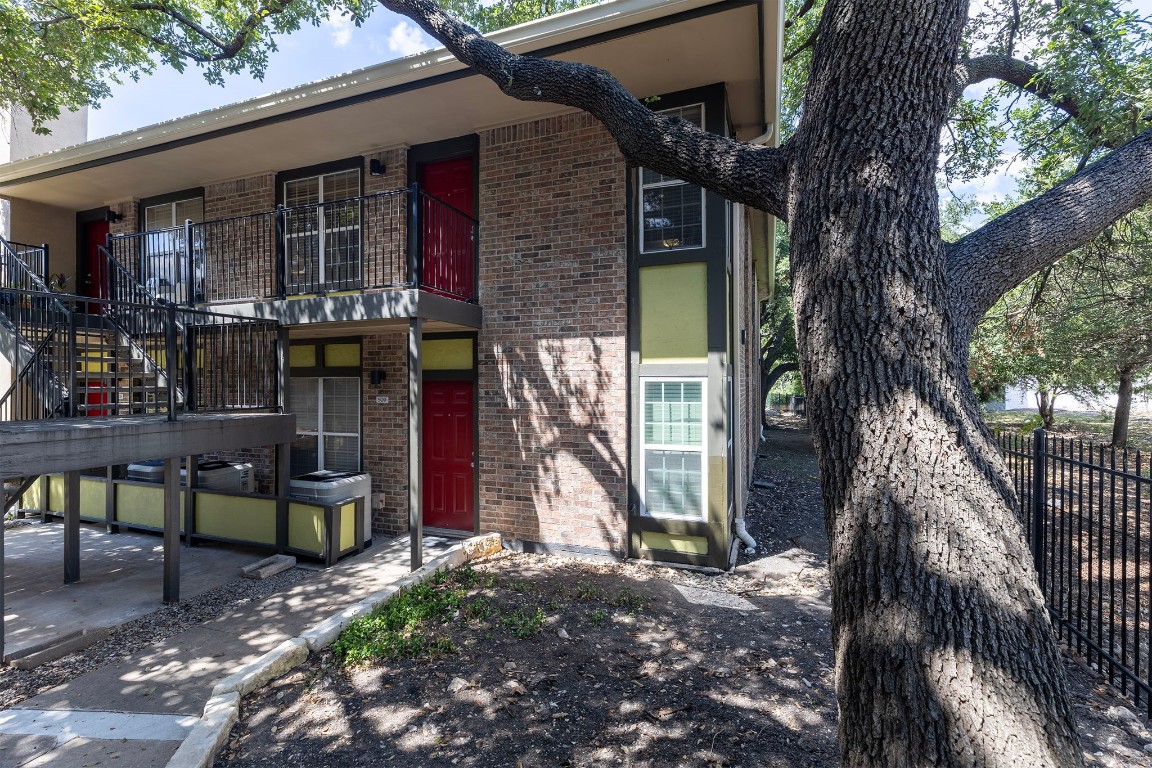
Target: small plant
{"x":478,"y":609}
{"x":408,"y":625}
{"x":523,"y":623}
{"x":627,"y":598}
{"x":598,"y":617}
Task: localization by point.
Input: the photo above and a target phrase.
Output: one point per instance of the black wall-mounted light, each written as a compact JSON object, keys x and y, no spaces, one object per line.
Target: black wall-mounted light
{"x":376,"y":167}
{"x":112,"y":216}
{"x":378,"y":377}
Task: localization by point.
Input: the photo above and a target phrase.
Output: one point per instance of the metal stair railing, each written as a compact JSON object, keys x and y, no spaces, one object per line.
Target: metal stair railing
{"x":36,"y":322}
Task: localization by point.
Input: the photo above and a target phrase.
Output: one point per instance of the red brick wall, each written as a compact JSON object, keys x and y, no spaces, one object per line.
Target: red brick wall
{"x":385,"y":430}
{"x":384,"y":220}
{"x":240,"y":254}
{"x":553,"y":362}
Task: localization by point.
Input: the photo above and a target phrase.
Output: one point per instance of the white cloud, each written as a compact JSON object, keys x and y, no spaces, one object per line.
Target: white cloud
{"x":341,"y":27}
{"x":406,"y":39}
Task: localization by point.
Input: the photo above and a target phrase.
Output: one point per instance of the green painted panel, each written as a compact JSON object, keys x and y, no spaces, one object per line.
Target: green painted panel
{"x":302,"y":356}
{"x":690,"y":545}
{"x":56,"y":493}
{"x":347,"y":526}
{"x":236,"y":517}
{"x":140,"y":504}
{"x":717,"y":489}
{"x":447,"y":354}
{"x":306,"y":527}
{"x":92,"y":497}
{"x":31,"y":497}
{"x":342,"y":355}
{"x":674,"y":313}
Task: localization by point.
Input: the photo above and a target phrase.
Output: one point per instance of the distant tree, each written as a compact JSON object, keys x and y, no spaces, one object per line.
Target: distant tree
{"x":777,"y":326}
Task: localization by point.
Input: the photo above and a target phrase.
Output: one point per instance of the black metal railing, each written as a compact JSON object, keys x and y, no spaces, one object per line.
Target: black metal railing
{"x":401,"y":238}
{"x":33,"y":334}
{"x":167,"y":264}
{"x":1089,"y":510}
{"x":35,"y":256}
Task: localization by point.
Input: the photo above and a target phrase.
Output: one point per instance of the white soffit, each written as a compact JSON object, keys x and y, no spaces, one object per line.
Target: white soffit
{"x":214,"y":145}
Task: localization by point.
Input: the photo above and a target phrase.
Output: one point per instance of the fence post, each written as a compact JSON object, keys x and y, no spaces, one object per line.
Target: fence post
{"x":189,"y":253}
{"x":1039,"y":500}
{"x":415,"y":236}
{"x":170,"y":354}
{"x":281,"y":254}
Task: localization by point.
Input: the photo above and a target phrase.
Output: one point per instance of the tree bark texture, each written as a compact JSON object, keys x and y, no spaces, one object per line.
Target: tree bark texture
{"x":1123,"y":410}
{"x":945,"y":655}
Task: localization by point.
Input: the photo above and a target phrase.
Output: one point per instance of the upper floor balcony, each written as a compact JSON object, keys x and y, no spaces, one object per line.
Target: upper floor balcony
{"x":375,"y":257}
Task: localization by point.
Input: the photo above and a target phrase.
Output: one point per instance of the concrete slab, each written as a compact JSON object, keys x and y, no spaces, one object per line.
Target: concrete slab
{"x":176,"y":675}
{"x":18,"y":750}
{"x":120,"y":579}
{"x":65,"y":725}
{"x":84,"y":753}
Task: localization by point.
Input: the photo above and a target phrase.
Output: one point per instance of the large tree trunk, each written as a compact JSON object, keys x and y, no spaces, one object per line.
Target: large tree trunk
{"x":1123,"y":410}
{"x":1046,"y":407}
{"x":945,"y":654}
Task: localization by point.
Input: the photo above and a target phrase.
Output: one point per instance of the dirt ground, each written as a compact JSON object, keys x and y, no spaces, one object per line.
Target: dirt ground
{"x":563,"y":662}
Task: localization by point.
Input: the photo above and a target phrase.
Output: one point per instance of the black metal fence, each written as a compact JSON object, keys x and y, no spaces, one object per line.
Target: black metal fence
{"x":1089,"y":510}
{"x":402,"y":238}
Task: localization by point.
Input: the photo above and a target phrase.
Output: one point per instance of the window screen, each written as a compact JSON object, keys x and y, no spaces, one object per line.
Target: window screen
{"x":673,"y":450}
{"x":672,"y":211}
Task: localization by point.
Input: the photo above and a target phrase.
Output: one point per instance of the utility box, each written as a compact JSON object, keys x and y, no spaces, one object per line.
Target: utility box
{"x":328,"y":487}
{"x":210,"y":475}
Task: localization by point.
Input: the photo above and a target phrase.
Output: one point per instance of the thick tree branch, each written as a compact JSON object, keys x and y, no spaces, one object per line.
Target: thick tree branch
{"x":742,"y":172}
{"x":1021,"y":74}
{"x":1002,"y":253}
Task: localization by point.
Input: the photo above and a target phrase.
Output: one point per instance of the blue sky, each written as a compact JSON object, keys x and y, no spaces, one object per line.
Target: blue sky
{"x":313,"y":53}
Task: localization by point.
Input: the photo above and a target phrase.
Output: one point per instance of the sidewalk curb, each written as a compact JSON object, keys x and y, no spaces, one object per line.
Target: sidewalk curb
{"x":199,"y":748}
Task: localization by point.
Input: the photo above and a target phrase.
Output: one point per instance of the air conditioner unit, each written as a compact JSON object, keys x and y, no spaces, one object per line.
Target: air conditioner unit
{"x":329,"y":487}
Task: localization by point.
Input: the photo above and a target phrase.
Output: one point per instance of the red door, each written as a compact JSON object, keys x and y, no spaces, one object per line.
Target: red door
{"x":94,"y":272}
{"x":449,"y":471}
{"x":448,"y":248}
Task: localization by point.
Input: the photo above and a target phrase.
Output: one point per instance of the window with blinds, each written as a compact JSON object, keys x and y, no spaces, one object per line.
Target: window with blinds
{"x":327,"y":424}
{"x":322,"y":231}
{"x":673,"y":448}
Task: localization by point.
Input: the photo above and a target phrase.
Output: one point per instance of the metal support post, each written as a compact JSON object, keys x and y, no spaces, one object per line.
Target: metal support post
{"x":415,"y":236}
{"x":1039,"y":500}
{"x":71,"y":527}
{"x":172,"y":530}
{"x":415,"y":444}
{"x":171,"y":353}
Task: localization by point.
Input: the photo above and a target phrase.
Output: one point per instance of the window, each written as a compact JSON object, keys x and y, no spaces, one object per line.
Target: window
{"x":327,"y":424}
{"x":322,"y":231}
{"x":673,"y":448}
{"x":165,"y":257}
{"x":672,"y":211}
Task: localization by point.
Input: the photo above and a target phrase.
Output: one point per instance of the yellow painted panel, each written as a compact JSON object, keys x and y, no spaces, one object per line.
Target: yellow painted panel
{"x":236,"y":517}
{"x":56,"y":493}
{"x":347,"y":526}
{"x":717,"y":488}
{"x":352,"y":292}
{"x":31,"y":497}
{"x":302,"y":356}
{"x":342,"y":355}
{"x":447,"y":354}
{"x":92,"y":497}
{"x":674,"y":313}
{"x":306,"y":527}
{"x":689,"y":545}
{"x":140,"y":504}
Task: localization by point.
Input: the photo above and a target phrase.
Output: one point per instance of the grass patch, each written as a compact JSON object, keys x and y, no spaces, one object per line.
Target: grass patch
{"x":411,"y":624}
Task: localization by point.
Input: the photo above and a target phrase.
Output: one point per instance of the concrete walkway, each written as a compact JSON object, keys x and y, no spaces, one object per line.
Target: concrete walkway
{"x":137,"y":711}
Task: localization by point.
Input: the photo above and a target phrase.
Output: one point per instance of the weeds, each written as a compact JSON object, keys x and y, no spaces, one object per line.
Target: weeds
{"x":523,"y":623}
{"x":408,"y":625}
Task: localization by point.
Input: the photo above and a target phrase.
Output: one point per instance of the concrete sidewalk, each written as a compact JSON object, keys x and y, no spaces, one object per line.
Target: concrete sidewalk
{"x":137,"y":711}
